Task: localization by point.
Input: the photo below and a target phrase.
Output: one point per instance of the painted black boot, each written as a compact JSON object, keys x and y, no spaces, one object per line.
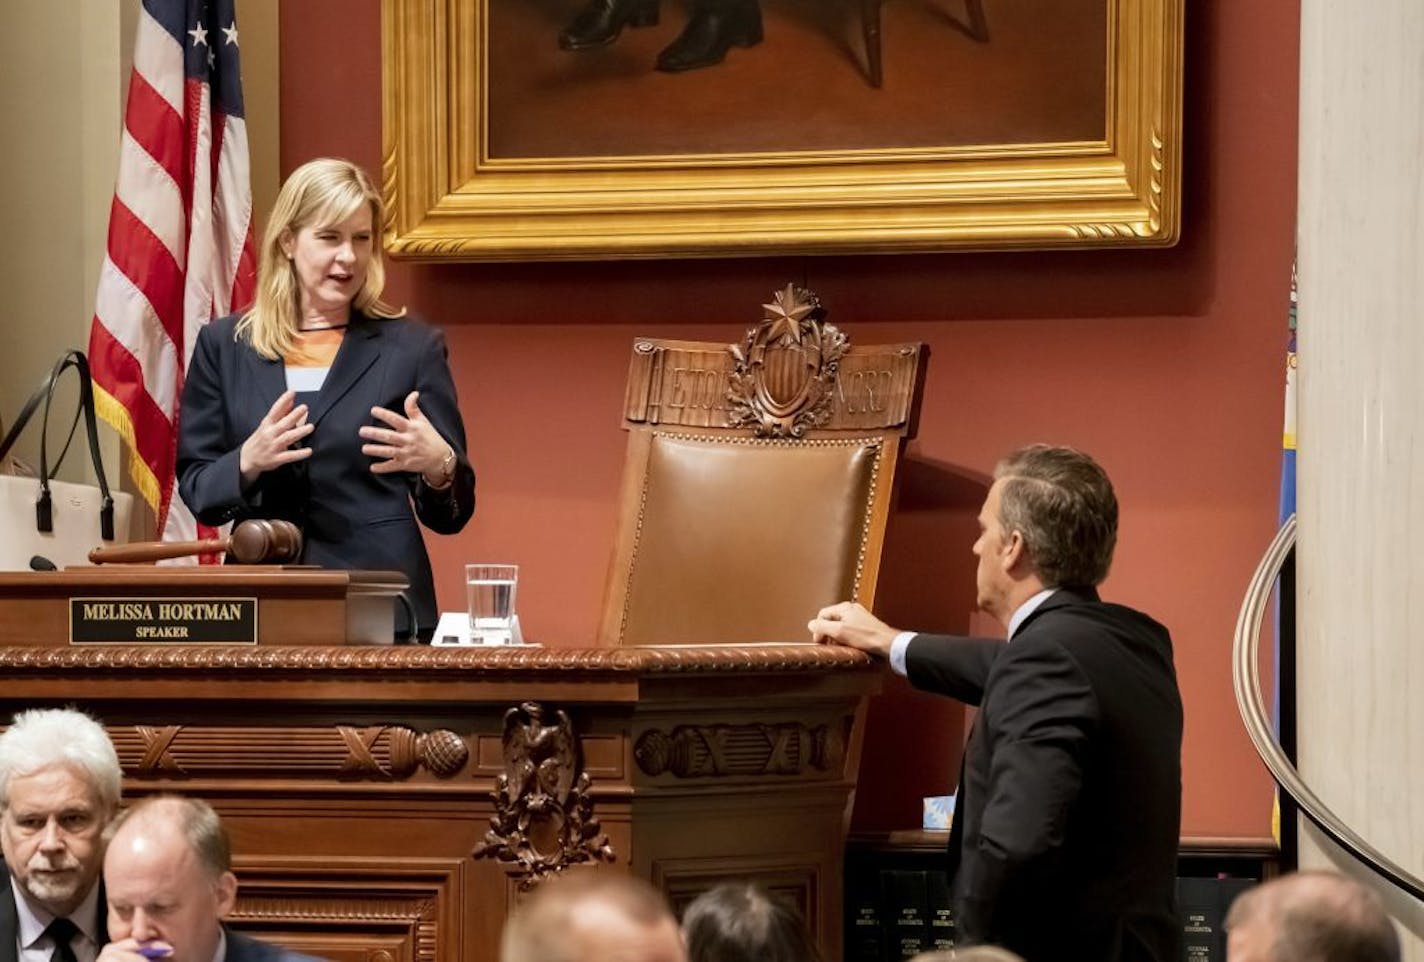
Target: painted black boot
{"x":601,"y":21}
{"x":716,"y":26}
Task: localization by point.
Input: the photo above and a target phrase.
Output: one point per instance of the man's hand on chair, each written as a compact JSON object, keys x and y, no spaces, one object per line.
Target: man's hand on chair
{"x":851,"y":625}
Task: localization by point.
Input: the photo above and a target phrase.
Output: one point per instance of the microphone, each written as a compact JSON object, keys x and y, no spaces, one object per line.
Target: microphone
{"x":254,"y":541}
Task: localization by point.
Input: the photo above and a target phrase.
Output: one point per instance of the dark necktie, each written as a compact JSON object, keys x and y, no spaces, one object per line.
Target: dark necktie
{"x":62,"y":931}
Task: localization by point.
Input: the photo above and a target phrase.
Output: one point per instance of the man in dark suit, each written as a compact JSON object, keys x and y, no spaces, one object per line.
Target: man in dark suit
{"x":59,"y":787}
{"x":1065,"y":832}
{"x":169,"y":882}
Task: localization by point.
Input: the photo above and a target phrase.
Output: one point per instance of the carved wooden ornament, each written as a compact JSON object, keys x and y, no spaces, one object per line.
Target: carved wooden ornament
{"x":714,"y":751}
{"x":785,"y":375}
{"x":346,"y":752}
{"x":543,"y":820}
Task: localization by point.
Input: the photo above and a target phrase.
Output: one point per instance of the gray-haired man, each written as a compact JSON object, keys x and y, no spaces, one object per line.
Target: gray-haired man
{"x":59,"y":787}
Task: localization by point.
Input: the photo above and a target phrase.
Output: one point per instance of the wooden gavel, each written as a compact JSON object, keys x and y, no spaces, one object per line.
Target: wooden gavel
{"x":255,"y":541}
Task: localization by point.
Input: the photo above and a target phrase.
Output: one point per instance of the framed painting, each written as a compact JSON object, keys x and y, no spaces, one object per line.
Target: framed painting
{"x":597,"y":129}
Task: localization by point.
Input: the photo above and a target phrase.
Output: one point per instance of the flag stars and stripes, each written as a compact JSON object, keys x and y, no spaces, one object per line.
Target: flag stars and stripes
{"x":180,"y":235}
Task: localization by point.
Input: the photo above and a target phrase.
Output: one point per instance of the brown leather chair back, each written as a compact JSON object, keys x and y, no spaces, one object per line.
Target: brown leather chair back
{"x":758,"y":479}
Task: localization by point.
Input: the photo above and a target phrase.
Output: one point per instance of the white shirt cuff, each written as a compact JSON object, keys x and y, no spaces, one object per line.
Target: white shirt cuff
{"x":897,"y":652}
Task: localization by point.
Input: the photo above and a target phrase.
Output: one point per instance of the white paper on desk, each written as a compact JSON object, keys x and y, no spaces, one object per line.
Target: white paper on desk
{"x":453,"y":631}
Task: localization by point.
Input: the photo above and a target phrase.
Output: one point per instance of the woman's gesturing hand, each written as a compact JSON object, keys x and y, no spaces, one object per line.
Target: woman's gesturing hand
{"x":408,"y":443}
{"x":270,"y":446}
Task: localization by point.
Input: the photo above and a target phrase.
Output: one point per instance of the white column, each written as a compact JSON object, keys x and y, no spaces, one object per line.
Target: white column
{"x":60,"y":66}
{"x":1361,"y":429}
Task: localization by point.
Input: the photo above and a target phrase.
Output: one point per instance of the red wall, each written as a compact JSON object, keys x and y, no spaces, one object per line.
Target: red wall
{"x":1166,"y":365}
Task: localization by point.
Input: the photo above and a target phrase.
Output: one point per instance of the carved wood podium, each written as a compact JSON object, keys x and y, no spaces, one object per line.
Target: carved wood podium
{"x":388,"y":804}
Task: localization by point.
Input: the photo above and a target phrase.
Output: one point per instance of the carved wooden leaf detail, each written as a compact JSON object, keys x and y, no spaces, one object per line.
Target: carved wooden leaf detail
{"x":785,"y":370}
{"x":543,"y":821}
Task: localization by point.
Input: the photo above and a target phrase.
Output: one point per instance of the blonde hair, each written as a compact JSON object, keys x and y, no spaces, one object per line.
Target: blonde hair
{"x":975,"y":953}
{"x":319,"y":193}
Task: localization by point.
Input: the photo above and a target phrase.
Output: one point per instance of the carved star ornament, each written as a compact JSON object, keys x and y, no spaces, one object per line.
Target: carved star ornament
{"x":789,"y":307}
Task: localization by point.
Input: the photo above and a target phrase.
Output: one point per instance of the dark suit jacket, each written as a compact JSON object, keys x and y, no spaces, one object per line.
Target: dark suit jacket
{"x":350,"y":518}
{"x":243,"y":948}
{"x":10,"y":918}
{"x":1065,"y":833}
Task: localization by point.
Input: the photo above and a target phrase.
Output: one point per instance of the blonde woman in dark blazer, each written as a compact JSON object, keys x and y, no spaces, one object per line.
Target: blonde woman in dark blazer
{"x":323,"y":405}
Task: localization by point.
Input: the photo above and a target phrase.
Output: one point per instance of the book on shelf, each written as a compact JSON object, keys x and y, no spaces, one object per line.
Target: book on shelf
{"x":865,"y":934}
{"x":941,"y":915}
{"x":905,"y":908}
{"x":1202,"y":905}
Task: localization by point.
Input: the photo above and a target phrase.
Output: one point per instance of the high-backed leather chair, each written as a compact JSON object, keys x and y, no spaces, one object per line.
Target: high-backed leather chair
{"x":758,"y":479}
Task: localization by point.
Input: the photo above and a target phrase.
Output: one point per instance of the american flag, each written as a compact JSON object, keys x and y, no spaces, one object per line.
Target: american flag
{"x":180,"y":235}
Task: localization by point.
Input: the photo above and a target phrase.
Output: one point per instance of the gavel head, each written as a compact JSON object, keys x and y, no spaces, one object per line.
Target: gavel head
{"x":258,"y":541}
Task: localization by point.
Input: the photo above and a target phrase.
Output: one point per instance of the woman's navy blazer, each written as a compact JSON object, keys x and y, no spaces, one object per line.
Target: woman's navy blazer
{"x":349,"y":517}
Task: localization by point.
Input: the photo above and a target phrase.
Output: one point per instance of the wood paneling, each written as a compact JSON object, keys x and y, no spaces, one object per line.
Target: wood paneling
{"x":359,"y":784}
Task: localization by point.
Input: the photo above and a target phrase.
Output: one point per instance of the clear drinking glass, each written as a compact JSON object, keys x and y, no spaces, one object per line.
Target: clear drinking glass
{"x":489,"y":589}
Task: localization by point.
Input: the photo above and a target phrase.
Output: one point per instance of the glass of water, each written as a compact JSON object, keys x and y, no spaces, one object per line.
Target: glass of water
{"x":490,"y":592}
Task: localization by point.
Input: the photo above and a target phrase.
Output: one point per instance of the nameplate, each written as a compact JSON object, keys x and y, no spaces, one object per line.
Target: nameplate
{"x":179,"y":621}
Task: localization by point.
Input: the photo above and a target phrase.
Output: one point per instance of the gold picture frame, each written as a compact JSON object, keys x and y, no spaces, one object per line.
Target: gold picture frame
{"x":448,"y":198}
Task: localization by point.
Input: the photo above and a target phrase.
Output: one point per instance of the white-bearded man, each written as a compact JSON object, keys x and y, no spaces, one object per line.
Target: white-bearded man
{"x":59,"y":788}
